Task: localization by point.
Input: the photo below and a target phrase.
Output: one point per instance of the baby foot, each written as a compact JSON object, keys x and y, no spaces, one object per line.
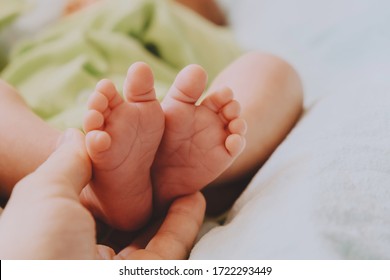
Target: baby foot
{"x":199,"y":141}
{"x":122,"y":137}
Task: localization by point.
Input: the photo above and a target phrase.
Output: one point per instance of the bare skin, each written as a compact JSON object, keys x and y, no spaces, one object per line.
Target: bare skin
{"x":261,"y":83}
{"x":57,"y":226}
{"x":271,"y":83}
{"x":209,"y":9}
{"x":206,"y":8}
{"x":198,"y":144}
{"x":271,"y":96}
{"x":21,"y":138}
{"x":122,"y":137}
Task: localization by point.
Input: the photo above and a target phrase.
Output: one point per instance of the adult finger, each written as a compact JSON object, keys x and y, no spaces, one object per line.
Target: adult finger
{"x":176,"y":236}
{"x":44,"y":211}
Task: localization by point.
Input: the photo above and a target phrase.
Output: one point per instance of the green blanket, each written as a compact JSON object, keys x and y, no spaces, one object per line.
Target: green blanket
{"x":9,"y":10}
{"x":57,"y":71}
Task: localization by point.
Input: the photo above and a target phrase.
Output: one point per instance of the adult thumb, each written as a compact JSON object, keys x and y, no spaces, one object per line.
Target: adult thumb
{"x":41,"y":205}
{"x":67,"y":170}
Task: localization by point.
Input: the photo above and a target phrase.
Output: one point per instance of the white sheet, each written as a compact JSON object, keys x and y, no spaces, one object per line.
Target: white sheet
{"x":38,"y":14}
{"x":325,"y":192}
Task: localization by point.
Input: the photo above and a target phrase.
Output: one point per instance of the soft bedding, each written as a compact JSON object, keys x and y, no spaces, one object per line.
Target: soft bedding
{"x":9,"y":11}
{"x":324,"y":193}
{"x":56,"y":70}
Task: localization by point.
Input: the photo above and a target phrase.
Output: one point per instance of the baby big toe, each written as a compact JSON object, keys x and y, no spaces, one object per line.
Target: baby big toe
{"x":139,"y":83}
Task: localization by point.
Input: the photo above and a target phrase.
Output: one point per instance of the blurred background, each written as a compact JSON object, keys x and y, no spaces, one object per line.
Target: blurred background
{"x":330,"y":42}
{"x":324,"y":193}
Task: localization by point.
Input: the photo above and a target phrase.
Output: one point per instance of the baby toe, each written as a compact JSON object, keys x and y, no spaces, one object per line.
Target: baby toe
{"x":93,"y":120}
{"x":235,"y":144}
{"x":238,"y":126}
{"x":96,"y":142}
{"x":217,"y":100}
{"x":107,"y":88}
{"x":97,"y":101}
{"x":231,"y":110}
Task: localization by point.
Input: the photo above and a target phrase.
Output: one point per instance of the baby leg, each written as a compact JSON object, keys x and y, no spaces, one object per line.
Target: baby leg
{"x":25,"y":140}
{"x":270,"y":93}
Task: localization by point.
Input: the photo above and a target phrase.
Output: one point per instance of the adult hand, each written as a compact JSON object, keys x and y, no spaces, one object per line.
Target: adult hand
{"x":44,"y":219}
